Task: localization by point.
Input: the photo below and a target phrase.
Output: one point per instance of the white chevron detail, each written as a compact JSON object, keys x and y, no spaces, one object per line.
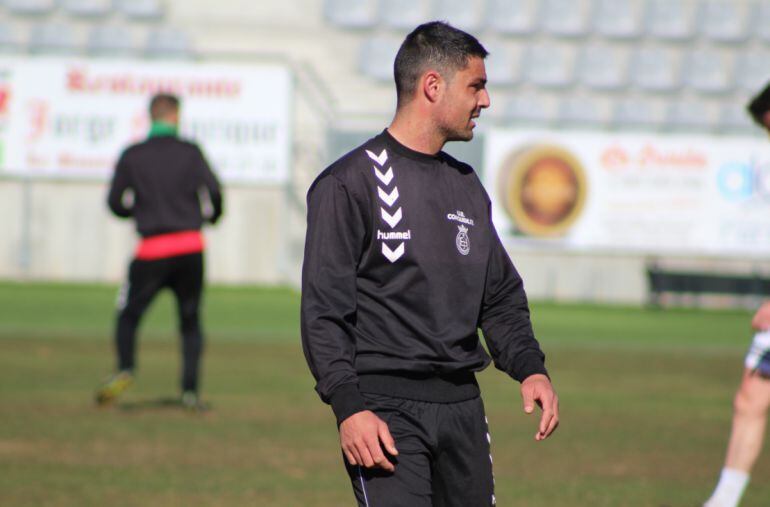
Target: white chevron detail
{"x":388,"y":198}
{"x":381,"y":159}
{"x":393,"y":219}
{"x":384,"y":178}
{"x":393,"y":255}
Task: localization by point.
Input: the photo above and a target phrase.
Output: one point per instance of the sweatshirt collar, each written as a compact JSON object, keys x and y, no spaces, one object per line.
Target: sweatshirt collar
{"x":163,"y":129}
{"x":408,"y":152}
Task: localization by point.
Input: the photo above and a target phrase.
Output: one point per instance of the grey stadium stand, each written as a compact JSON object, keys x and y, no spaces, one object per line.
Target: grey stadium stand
{"x":87,"y":8}
{"x":752,"y":69}
{"x":725,"y":20}
{"x":168,"y":43}
{"x":376,"y":57}
{"x":404,"y":14}
{"x":530,"y":109}
{"x":656,"y":69}
{"x":550,"y":65}
{"x":111,"y":40}
{"x":566,"y":18}
{"x":603,"y":67}
{"x":578,"y":111}
{"x":351,"y":13}
{"x":31,"y":7}
{"x":461,"y":13}
{"x":512,"y":17}
{"x":618,"y":19}
{"x":691,"y":115}
{"x":53,"y":38}
{"x":671,"y":19}
{"x":503,"y":63}
{"x":141,"y":9}
{"x":708,"y":71}
{"x":635,"y":113}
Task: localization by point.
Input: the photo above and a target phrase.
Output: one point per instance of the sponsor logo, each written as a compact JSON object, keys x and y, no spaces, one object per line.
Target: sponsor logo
{"x":459,"y":216}
{"x":543,"y":188}
{"x":462,"y":241}
{"x":394,"y":235}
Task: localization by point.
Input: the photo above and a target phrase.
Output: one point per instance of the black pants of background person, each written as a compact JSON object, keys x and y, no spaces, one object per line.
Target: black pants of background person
{"x":184,"y":276}
{"x":443,"y":456}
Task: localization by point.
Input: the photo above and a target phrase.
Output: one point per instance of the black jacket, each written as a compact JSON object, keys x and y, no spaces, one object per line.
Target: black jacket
{"x":166,"y":176}
{"x":402,"y":266}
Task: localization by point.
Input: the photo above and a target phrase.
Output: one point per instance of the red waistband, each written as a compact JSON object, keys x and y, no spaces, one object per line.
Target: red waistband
{"x":168,"y":245}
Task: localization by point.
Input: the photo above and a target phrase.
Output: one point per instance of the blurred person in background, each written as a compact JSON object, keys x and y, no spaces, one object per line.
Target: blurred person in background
{"x":167,"y":187}
{"x":402,"y":266}
{"x":752,"y":400}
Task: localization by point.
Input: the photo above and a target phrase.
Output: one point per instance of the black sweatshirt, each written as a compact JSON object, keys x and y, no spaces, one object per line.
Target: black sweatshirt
{"x":166,"y":175}
{"x":402,"y":266}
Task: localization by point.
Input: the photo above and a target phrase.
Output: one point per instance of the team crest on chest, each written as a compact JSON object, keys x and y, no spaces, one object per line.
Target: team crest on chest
{"x":462,"y":241}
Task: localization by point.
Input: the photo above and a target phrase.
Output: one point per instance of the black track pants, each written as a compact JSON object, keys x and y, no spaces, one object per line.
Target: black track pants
{"x":184,"y":276}
{"x":443,"y":461}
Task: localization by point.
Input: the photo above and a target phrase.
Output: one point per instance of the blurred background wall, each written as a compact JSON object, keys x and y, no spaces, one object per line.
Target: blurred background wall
{"x":610,"y":67}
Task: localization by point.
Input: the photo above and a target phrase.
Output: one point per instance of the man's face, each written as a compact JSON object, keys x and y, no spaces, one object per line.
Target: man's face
{"x":464,"y":97}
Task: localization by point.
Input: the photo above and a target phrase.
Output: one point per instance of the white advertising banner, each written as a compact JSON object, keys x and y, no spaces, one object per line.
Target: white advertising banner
{"x":694,"y":195}
{"x":73,"y":117}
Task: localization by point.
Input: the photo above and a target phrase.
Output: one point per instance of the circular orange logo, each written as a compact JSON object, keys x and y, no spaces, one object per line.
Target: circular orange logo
{"x":543,"y":189}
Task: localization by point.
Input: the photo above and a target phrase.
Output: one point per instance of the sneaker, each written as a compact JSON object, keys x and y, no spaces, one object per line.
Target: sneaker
{"x":190,"y":401}
{"x":114,"y":387}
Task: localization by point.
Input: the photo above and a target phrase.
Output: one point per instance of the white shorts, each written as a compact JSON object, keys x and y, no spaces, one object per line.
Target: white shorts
{"x":758,"y":358}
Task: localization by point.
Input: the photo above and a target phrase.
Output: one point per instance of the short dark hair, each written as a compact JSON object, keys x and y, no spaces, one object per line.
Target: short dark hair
{"x":162,"y":104}
{"x":760,"y":105}
{"x":435,"y":44}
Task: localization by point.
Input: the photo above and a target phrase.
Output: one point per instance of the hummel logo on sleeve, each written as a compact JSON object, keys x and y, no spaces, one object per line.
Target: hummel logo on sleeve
{"x":393,"y":219}
{"x":384,"y":178}
{"x":380,"y":159}
{"x":393,"y":255}
{"x":388,"y":198}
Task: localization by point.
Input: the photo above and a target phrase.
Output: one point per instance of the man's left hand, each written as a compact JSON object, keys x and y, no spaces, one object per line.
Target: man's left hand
{"x":537,"y":388}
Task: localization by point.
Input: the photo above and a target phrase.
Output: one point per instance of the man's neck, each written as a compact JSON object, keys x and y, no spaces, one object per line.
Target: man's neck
{"x":416,"y":132}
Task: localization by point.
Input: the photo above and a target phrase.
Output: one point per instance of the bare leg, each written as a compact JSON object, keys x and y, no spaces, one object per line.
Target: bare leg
{"x":749,"y":420}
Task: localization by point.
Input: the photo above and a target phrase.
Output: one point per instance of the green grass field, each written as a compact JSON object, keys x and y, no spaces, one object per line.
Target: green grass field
{"x":645,"y":400}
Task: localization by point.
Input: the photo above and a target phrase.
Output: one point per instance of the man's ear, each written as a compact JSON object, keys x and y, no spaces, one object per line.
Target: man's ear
{"x":432,"y":85}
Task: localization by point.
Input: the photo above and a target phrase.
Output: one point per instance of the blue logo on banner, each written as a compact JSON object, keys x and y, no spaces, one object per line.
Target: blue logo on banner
{"x":740,"y":181}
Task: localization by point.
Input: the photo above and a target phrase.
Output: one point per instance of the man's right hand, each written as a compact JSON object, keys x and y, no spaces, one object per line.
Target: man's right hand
{"x":360,"y":438}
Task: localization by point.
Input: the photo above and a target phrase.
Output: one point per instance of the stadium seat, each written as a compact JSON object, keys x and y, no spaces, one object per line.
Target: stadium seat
{"x":566,"y":18}
{"x":618,"y":19}
{"x":724,"y":20}
{"x":10,"y":41}
{"x":690,"y":115}
{"x":503,"y":63}
{"x":603,"y":67}
{"x":733,"y":119}
{"x":141,"y":9}
{"x":87,"y":8}
{"x":637,"y":113}
{"x":376,"y":57}
{"x":110,"y":40}
{"x":671,"y":19}
{"x":404,"y":14}
{"x":53,"y":38}
{"x":752,"y":70}
{"x":30,"y":7}
{"x":463,"y":14}
{"x":529,"y":109}
{"x":656,"y":69}
{"x":512,"y":17}
{"x":761,"y":18}
{"x":708,"y":71}
{"x":168,"y":43}
{"x":576,"y":111}
{"x":550,"y":65}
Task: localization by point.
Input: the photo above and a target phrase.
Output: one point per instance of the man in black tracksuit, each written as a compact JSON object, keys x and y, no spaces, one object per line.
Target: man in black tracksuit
{"x":159,"y":182}
{"x":402,"y":266}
